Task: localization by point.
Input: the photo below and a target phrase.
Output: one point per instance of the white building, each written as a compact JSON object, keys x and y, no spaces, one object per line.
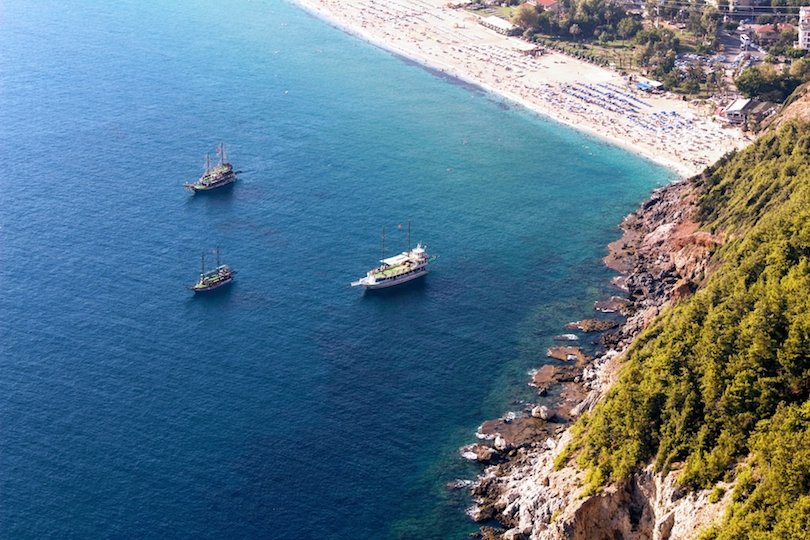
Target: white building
{"x":500,"y":25}
{"x":737,"y":112}
{"x":804,"y":28}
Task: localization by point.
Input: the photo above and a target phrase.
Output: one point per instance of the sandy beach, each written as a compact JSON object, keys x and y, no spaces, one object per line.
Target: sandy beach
{"x":593,"y":99}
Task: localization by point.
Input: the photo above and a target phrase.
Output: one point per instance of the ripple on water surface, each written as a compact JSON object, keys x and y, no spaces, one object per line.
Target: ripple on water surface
{"x":288,"y":405}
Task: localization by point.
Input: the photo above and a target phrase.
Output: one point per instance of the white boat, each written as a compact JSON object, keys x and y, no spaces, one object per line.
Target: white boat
{"x":398,"y":269}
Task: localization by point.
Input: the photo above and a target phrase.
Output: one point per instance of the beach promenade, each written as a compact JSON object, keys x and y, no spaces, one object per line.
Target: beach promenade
{"x":597,"y":100}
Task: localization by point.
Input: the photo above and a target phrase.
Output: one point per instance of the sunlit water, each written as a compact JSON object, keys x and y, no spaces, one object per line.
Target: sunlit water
{"x":290,"y":405}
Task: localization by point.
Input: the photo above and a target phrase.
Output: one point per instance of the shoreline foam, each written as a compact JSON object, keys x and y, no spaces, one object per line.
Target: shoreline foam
{"x":665,"y":130}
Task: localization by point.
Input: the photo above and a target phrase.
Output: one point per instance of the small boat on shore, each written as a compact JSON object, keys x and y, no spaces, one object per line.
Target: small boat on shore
{"x":398,"y":269}
{"x":219,"y":276}
{"x":220,"y":175}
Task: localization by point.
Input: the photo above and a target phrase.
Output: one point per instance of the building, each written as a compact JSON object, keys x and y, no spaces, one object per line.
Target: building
{"x":547,"y":5}
{"x":500,"y":25}
{"x":767,"y":34}
{"x":737,"y":112}
{"x":761,"y":111}
{"x":650,"y":86}
{"x":804,"y":28}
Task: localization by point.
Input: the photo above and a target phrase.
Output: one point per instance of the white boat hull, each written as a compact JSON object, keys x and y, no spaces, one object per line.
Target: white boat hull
{"x":390,"y":282}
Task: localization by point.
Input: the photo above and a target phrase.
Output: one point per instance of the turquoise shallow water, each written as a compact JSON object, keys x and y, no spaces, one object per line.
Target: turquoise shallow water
{"x":290,"y":406}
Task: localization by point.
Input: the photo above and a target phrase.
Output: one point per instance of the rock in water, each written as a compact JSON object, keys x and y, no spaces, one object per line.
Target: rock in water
{"x":459,"y":484}
{"x":593,"y":325}
{"x":542,"y":412}
{"x":482,"y":513}
{"x":479,"y":452}
{"x":570,"y":354}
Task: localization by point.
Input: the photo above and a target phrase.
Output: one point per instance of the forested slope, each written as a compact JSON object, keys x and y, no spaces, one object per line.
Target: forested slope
{"x":718,"y":386}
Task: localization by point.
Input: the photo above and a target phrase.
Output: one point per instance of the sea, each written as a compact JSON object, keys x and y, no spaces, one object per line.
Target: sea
{"x":289,"y":405}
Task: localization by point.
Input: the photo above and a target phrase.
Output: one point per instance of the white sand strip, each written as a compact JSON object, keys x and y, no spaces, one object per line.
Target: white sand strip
{"x":593,"y":99}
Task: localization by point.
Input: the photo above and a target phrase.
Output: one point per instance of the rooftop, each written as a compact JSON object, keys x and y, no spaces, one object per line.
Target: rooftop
{"x":497,"y":22}
{"x":738,"y":105}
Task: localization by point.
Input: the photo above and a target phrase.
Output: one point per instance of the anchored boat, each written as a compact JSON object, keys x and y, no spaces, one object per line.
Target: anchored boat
{"x":398,"y":269}
{"x":220,"y":175}
{"x":219,"y":276}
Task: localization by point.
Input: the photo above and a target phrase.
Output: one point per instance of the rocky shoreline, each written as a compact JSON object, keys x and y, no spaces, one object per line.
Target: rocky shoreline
{"x":662,"y":257}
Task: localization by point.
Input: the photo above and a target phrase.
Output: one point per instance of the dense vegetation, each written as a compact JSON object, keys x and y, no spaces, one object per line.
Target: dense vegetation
{"x":604,"y":22}
{"x":726,"y":373}
{"x":773,"y":492}
{"x":768,"y":82}
{"x":602,"y":31}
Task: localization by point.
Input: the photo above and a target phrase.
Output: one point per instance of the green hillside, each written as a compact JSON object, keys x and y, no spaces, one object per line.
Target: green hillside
{"x":718,"y":385}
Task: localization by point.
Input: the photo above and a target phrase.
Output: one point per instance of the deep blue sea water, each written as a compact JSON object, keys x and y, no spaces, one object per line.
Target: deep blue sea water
{"x":290,"y":406}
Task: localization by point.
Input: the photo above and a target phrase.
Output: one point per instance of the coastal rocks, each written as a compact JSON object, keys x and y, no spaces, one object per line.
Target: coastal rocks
{"x":542,"y":412}
{"x":483,"y":513}
{"x":571,"y":394}
{"x":615,"y":304}
{"x":522,"y":431}
{"x":530,"y":492}
{"x":593,"y":325}
{"x":663,"y":258}
{"x":481,"y":453}
{"x":646,"y":506}
{"x":515,"y":534}
{"x":551,"y":374}
{"x":567,"y":354}
{"x":489,"y":533}
{"x":538,"y":502}
{"x":661,"y":250}
{"x":459,"y":484}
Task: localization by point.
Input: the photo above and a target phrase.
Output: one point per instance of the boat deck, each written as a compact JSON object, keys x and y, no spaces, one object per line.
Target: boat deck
{"x":393,"y":270}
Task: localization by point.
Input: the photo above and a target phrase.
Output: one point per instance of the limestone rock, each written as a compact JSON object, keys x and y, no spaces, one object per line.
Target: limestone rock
{"x":663,"y":257}
{"x":516,"y":534}
{"x":593,"y":325}
{"x":482,"y":513}
{"x":480,"y":452}
{"x":542,"y":412}
{"x":489,"y":533}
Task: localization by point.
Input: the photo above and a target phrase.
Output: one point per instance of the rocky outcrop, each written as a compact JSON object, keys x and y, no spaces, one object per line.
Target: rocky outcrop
{"x":546,"y":504}
{"x":481,"y":453}
{"x":662,"y":257}
{"x":593,"y":325}
{"x":567,"y":354}
{"x":542,"y":412}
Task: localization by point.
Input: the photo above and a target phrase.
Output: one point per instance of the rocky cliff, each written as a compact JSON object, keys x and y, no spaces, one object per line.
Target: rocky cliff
{"x":797,"y":107}
{"x":662,"y":258}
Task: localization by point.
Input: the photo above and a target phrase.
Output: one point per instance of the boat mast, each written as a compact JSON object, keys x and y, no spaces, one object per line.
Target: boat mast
{"x":207,"y":162}
{"x":222,"y":158}
{"x":202,"y":265}
{"x":217,"y":251}
{"x":409,"y":235}
{"x":382,"y":244}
